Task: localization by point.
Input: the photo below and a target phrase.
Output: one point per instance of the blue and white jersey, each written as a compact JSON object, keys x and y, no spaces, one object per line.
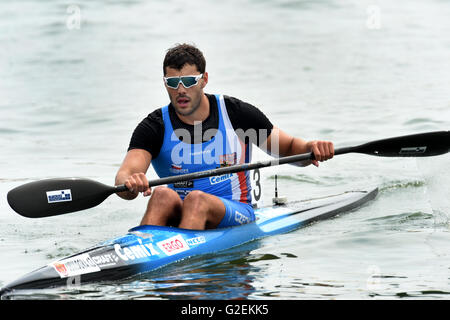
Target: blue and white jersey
{"x":223,"y":149}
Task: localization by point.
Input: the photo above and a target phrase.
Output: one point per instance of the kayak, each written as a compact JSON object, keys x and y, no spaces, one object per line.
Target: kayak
{"x":147,"y":248}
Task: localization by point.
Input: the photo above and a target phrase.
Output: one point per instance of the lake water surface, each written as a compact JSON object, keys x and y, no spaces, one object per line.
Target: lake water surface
{"x":76,"y":78}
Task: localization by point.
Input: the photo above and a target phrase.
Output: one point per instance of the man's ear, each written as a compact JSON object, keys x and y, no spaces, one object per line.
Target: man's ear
{"x":205,"y":79}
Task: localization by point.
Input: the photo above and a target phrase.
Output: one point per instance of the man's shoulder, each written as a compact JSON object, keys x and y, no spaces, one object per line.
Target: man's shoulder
{"x":236,"y":105}
{"x":149,"y":133}
{"x":230,"y":101}
{"x":154,"y":117}
{"x":233,"y":100}
{"x":244,"y":115}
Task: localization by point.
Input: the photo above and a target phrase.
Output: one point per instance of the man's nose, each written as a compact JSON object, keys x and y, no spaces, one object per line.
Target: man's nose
{"x":181,"y":88}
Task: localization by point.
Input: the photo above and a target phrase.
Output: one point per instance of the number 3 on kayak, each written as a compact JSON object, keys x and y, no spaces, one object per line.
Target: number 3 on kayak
{"x":257,"y":181}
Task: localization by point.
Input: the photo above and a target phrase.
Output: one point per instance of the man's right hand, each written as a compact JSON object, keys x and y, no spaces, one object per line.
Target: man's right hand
{"x":137,"y":183}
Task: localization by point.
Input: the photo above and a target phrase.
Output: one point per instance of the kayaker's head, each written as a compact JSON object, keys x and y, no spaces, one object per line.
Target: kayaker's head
{"x":185,"y":77}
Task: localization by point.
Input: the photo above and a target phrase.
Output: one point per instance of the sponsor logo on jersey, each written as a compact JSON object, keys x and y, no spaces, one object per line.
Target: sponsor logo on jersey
{"x":59,"y":196}
{"x":184,"y":184}
{"x":227,"y":160}
{"x":177,"y":168}
{"x":221,"y":178}
{"x":182,"y":192}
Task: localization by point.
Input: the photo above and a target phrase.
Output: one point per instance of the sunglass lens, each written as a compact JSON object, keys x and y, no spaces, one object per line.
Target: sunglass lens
{"x":173,"y":82}
{"x":188,"y":81}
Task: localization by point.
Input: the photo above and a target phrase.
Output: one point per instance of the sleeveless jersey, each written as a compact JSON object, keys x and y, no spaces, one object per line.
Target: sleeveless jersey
{"x":223,"y":149}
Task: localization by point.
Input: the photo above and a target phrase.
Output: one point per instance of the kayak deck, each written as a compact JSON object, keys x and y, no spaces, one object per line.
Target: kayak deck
{"x":146,"y":248}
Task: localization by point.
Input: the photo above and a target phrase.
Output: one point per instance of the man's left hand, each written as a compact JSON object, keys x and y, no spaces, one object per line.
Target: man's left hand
{"x":322,"y":150}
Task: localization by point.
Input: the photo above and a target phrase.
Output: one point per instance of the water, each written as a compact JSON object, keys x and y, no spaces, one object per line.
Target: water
{"x":72,"y":91}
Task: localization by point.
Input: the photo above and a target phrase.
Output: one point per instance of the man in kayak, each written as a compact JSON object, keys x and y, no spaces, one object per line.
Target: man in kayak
{"x":197,"y":132}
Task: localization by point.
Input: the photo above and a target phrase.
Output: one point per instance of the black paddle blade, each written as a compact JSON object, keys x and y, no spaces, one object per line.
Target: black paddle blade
{"x":416,"y":145}
{"x":52,"y":197}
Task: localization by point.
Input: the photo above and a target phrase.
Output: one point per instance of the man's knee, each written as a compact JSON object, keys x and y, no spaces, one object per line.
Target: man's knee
{"x":164,"y":194}
{"x":195,"y":205}
{"x":195,"y":196}
{"x":163,"y":207}
{"x":164,"y":199}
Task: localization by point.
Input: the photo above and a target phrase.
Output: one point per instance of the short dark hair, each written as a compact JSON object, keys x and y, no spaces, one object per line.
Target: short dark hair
{"x":181,"y":54}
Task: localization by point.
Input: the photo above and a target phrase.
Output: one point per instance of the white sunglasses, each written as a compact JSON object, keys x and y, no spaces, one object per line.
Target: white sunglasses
{"x":187,"y":81}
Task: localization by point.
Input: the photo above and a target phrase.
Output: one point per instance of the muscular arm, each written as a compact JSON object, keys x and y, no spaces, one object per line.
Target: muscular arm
{"x":132,"y":173}
{"x":281,"y":144}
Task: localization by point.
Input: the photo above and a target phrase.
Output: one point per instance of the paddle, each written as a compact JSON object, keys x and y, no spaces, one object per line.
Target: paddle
{"x":52,"y":197}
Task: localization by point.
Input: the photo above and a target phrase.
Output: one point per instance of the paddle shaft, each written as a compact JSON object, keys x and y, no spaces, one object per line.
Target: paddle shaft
{"x":417,"y":145}
{"x":235,"y":168}
{"x":225,"y":170}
